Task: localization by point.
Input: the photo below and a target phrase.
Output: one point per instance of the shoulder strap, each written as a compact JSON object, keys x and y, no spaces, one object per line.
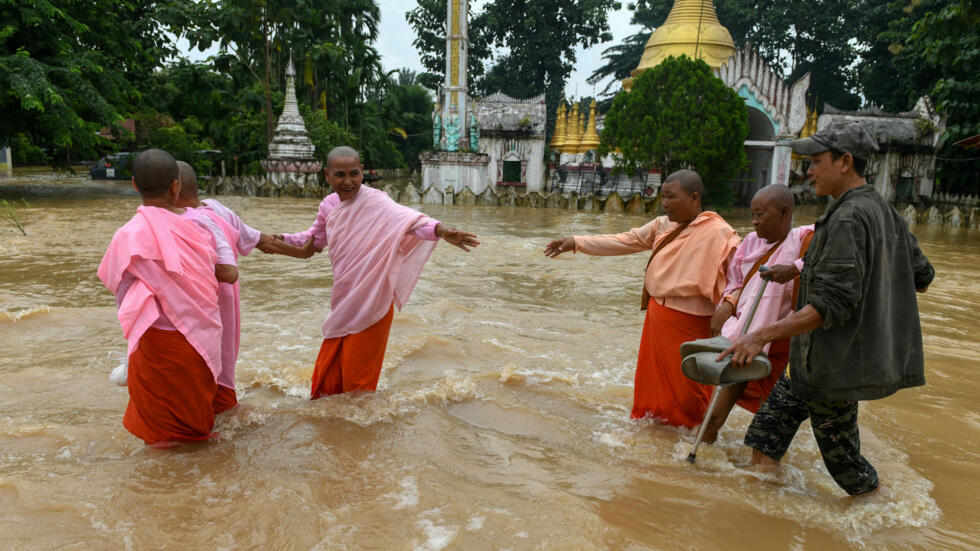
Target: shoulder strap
{"x":756,"y":266}
{"x":803,"y":248}
{"x":645,"y":298}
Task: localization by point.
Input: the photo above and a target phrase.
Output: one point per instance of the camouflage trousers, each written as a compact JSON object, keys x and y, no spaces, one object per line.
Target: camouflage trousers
{"x":834,"y":426}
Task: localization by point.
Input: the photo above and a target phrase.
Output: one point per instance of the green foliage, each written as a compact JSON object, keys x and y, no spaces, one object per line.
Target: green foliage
{"x":67,"y":69}
{"x":679,"y":115}
{"x":428,"y":19}
{"x":794,"y":37}
{"x":24,"y":152}
{"x":324,"y":133}
{"x":11,"y":213}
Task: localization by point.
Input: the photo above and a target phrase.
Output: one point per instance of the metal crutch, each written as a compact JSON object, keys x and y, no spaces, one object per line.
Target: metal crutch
{"x":692,"y":457}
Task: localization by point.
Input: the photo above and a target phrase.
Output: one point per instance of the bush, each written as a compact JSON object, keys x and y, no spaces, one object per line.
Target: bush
{"x":680,"y":115}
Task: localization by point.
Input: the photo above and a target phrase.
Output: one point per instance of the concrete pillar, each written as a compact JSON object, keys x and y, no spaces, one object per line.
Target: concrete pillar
{"x":6,"y":161}
{"x":781,"y":158}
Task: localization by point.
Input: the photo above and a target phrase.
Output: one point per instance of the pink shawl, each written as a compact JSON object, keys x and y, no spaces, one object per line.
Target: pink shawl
{"x":777,"y":299}
{"x":172,"y":261}
{"x":229,"y":303}
{"x":376,"y":259}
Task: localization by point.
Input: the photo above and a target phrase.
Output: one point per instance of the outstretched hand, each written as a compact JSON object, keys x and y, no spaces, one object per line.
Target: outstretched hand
{"x":780,"y":273}
{"x":558,"y":246}
{"x":459,"y":238}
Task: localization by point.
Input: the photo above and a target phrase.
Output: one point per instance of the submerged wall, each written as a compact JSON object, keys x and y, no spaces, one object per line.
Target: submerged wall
{"x":951,"y":211}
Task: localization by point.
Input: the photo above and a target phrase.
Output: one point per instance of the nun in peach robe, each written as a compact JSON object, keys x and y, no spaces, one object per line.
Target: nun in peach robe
{"x":377,"y":249}
{"x":160,"y":267}
{"x":685,"y":280}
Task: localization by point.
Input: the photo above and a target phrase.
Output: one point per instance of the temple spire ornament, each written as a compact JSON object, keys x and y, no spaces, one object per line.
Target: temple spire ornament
{"x":692,"y":28}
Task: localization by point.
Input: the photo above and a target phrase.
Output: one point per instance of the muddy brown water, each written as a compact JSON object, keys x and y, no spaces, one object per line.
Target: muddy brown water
{"x":501,"y":420}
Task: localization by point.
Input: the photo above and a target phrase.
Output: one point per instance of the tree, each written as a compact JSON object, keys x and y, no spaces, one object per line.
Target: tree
{"x":946,"y":45}
{"x":540,"y":37}
{"x":429,"y":21}
{"x":67,"y":70}
{"x":794,"y":37}
{"x":679,"y":115}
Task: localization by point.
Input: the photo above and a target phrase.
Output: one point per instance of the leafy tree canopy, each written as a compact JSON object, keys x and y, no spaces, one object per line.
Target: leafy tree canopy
{"x":67,"y":70}
{"x":679,"y":115}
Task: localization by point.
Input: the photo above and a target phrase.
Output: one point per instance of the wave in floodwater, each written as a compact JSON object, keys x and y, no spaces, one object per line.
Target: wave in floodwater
{"x":501,"y":420}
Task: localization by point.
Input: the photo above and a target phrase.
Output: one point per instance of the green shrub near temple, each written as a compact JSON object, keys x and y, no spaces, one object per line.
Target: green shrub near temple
{"x":680,"y":115}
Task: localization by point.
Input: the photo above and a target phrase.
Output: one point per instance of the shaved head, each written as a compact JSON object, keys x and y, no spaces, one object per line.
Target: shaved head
{"x":689,"y":181}
{"x":777,"y":194}
{"x":153,"y":172}
{"x":342,"y":152}
{"x":772,"y":212}
{"x":188,"y":181}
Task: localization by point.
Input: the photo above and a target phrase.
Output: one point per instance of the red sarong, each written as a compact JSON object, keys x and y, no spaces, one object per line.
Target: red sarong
{"x":352,"y":362}
{"x":224,"y":399}
{"x":661,"y":390}
{"x":171,"y":390}
{"x":756,"y":392}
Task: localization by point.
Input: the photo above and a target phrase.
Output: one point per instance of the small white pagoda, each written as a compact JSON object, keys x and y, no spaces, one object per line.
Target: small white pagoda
{"x":291,"y":151}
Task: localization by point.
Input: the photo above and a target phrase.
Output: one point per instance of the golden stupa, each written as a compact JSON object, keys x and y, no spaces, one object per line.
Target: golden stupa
{"x":558,"y":137}
{"x":692,"y":28}
{"x":590,"y":140}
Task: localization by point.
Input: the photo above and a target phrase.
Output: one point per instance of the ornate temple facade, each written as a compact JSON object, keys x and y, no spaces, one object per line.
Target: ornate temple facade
{"x":512,"y":134}
{"x":777,"y":110}
{"x":496,"y":141}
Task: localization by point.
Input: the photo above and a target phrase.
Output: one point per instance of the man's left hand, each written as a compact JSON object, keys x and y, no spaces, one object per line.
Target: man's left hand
{"x":780,"y":273}
{"x":744,"y":349}
{"x":463,"y":240}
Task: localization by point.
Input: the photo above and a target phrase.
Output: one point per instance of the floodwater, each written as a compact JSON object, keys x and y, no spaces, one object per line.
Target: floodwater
{"x":501,"y":420}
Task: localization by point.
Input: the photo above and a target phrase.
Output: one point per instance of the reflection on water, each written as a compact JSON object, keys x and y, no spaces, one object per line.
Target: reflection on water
{"x":501,"y":420}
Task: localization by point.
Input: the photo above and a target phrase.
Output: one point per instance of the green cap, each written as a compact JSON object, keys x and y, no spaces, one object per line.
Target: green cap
{"x":844,"y":136}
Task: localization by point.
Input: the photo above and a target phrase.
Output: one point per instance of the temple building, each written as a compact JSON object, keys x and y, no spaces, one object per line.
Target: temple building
{"x":497,"y":141}
{"x":776,"y":110}
{"x":904,"y":168}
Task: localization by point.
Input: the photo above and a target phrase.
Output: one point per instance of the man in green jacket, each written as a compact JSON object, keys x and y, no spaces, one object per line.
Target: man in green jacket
{"x":856,"y":333}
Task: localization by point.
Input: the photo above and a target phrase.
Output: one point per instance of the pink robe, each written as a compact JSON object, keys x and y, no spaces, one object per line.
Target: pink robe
{"x":777,"y":301}
{"x":228,"y":302}
{"x":376,"y":253}
{"x":171,"y":260}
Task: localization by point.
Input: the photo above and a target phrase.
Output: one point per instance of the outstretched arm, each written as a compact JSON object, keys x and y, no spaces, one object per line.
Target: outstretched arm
{"x":277,"y":246}
{"x":459,"y":238}
{"x":558,"y":246}
{"x":797,"y":323}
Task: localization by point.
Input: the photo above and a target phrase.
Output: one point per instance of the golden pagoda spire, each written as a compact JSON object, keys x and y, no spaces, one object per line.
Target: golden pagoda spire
{"x":590,"y":140}
{"x":570,"y":142}
{"x":558,"y":137}
{"x":691,"y":28}
{"x":574,"y":137}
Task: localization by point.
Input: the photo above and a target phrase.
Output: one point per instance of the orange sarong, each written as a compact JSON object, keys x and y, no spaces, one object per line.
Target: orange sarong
{"x":756,"y":392}
{"x":171,"y":390}
{"x":661,"y":390}
{"x":352,"y":362}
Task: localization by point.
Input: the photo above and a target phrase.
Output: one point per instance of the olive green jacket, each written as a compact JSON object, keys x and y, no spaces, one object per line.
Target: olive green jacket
{"x":860,"y":273}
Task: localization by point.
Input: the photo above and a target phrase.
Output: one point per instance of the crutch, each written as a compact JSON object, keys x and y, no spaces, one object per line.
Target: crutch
{"x":692,"y":457}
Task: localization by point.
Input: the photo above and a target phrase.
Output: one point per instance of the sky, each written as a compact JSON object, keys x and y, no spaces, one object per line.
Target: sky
{"x":396,"y":35}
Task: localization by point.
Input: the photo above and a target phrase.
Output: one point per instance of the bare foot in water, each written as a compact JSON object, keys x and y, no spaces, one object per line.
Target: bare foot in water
{"x":762,"y":463}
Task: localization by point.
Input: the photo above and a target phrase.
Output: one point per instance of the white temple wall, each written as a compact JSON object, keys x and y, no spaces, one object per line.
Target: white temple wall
{"x":529,"y":151}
